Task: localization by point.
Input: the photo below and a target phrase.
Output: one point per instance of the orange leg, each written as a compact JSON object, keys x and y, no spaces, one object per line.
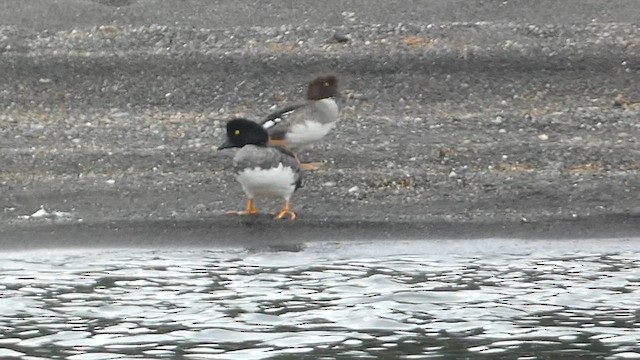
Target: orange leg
{"x":304,"y":166}
{"x":250,"y":210}
{"x":311,"y":165}
{"x":286,"y":211}
{"x":279,"y":142}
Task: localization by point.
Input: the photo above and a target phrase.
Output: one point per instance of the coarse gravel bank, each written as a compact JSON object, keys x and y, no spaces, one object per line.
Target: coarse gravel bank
{"x":449,"y":129}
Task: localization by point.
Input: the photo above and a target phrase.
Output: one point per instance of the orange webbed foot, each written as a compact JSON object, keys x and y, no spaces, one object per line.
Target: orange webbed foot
{"x":286,"y":211}
{"x":250,"y":210}
{"x":241,"y":212}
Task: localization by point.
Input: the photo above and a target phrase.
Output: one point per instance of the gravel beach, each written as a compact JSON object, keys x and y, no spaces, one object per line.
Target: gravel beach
{"x":455,"y":122}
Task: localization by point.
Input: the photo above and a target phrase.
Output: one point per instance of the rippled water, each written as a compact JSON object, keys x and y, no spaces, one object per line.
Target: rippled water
{"x":401,"y":300}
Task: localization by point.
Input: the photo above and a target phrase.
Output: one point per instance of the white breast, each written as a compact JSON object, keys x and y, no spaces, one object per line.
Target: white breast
{"x":328,"y":107}
{"x":322,"y":116}
{"x":307,"y":133}
{"x":274,"y":182}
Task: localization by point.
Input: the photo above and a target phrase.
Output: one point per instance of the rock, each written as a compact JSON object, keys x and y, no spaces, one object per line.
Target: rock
{"x":41,"y":213}
{"x":340,"y":38}
{"x":120,"y":114}
{"x":200,"y":207}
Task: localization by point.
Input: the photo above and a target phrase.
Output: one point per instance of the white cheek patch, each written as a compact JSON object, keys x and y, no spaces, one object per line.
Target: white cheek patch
{"x":276,"y":182}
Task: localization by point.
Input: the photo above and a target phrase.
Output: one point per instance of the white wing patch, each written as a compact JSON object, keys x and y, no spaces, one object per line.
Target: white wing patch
{"x":276,"y":182}
{"x":278,"y":117}
{"x":271,"y":123}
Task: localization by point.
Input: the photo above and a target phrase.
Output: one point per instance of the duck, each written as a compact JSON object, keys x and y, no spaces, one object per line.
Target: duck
{"x":302,"y":125}
{"x":262,"y":169}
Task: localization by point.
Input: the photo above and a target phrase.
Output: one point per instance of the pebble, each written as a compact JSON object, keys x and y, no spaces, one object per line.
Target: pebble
{"x":200,"y":207}
{"x":40,"y":213}
{"x":353,"y":189}
{"x":543,"y":137}
{"x":119,"y":115}
{"x":340,"y":38}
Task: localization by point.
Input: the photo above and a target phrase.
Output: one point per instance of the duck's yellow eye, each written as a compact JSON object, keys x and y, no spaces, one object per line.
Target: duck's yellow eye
{"x":326,"y":83}
{"x":237,"y":132}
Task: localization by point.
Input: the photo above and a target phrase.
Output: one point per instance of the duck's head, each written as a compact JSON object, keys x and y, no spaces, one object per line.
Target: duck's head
{"x":241,"y":132}
{"x":322,"y":87}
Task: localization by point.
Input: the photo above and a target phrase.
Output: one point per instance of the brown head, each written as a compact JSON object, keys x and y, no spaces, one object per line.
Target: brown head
{"x":322,"y":87}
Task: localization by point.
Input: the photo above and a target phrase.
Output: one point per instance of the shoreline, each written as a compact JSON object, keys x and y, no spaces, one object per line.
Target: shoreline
{"x":262,"y":231}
